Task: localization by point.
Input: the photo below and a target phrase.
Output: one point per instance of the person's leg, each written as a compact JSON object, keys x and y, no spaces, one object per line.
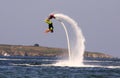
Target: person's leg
{"x":51,"y":27}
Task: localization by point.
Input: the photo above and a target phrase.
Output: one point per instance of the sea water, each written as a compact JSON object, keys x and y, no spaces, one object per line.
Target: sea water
{"x":43,"y":67}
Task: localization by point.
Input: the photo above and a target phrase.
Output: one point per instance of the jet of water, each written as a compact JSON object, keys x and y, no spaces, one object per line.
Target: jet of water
{"x":76,"y":52}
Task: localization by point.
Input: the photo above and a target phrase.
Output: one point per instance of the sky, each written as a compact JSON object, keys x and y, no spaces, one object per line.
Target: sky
{"x":21,"y":23}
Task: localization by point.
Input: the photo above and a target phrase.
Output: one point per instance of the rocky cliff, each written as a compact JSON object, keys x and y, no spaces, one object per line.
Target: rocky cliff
{"x":20,"y":50}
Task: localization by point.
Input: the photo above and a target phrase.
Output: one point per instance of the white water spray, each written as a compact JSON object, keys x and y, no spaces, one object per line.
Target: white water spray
{"x":68,"y":41}
{"x":77,"y":50}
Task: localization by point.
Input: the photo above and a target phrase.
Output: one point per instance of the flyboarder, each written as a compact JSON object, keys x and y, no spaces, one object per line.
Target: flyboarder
{"x":50,"y":24}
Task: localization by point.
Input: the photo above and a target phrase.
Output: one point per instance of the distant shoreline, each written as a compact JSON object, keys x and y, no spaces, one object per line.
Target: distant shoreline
{"x":36,"y":50}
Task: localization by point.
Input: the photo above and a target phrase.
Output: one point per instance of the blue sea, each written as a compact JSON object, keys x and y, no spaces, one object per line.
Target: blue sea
{"x":41,"y":67}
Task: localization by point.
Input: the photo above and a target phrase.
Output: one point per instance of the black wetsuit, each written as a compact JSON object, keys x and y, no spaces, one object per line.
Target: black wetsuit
{"x":51,"y":27}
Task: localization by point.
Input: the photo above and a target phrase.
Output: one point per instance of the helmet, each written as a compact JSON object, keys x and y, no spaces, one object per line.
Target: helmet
{"x":51,"y":16}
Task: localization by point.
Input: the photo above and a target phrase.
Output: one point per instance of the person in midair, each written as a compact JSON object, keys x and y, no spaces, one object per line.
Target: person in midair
{"x":50,"y":24}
